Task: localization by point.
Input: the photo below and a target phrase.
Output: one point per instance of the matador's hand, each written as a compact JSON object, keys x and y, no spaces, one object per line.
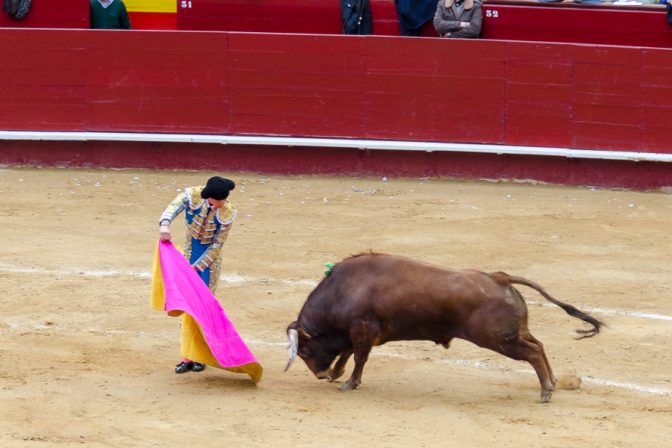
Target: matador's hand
{"x":165,"y":233}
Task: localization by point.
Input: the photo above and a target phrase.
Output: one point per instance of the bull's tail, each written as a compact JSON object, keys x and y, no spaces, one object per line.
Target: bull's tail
{"x":569,"y":309}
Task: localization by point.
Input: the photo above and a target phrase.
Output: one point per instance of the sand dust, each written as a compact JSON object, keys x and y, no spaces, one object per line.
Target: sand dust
{"x":85,"y":362}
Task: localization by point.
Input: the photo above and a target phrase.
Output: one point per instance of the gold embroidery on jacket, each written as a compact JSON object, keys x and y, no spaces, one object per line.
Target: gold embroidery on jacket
{"x":204,"y":224}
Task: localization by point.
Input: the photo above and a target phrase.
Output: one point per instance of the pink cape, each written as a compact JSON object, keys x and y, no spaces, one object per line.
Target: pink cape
{"x":213,"y":340}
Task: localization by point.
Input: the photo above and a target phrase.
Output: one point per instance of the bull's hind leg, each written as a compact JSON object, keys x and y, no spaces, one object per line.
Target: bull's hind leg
{"x":339,"y":368}
{"x":536,"y":341}
{"x":526,"y":347}
{"x":523,"y":350}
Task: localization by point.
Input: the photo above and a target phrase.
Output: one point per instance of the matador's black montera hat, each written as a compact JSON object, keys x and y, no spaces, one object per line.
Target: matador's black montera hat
{"x":217,"y":188}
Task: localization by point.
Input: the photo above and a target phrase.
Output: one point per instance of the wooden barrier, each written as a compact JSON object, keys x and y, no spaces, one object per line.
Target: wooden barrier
{"x":565,"y":21}
{"x":383,"y":88}
{"x":51,"y":14}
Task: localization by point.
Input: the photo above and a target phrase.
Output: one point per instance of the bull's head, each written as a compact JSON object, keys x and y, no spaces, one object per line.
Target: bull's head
{"x":314,"y":350}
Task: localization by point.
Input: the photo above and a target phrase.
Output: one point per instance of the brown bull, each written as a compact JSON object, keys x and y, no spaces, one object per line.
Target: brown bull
{"x":371,"y":299}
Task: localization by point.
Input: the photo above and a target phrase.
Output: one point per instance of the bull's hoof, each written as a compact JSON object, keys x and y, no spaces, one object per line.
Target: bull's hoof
{"x":335,"y":375}
{"x":348,"y":385}
{"x":324,"y":375}
{"x":546,"y":396}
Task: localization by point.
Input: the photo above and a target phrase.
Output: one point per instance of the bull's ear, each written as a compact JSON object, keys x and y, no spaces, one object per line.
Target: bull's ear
{"x":304,"y":333}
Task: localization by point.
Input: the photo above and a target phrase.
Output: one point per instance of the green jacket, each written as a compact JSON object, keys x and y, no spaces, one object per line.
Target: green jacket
{"x":114,"y":16}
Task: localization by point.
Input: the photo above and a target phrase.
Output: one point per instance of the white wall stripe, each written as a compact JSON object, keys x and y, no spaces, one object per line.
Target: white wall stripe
{"x":381,"y":145}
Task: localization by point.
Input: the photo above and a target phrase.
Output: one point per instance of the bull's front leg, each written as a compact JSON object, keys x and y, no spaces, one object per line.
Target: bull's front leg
{"x":361,"y":356}
{"x":361,"y":337}
{"x":339,"y":368}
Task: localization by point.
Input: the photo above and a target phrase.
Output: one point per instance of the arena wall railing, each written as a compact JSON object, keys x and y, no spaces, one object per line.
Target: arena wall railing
{"x":283,"y":103}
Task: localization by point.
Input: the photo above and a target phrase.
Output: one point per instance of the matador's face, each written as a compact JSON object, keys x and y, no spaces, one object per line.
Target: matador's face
{"x":216,"y":203}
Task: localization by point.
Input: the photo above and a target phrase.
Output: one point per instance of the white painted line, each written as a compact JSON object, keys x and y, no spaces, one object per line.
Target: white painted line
{"x":607,"y":312}
{"x":610,"y":312}
{"x":229,"y":278}
{"x":654,"y":390}
{"x":340,"y":143}
{"x":383,"y":352}
{"x":629,"y":386}
{"x":238,"y":279}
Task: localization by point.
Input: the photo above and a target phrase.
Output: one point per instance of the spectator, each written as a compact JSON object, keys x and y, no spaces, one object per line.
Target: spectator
{"x":356,"y":16}
{"x":109,"y":15}
{"x":16,"y":9}
{"x":458,"y":18}
{"x":413,"y":14}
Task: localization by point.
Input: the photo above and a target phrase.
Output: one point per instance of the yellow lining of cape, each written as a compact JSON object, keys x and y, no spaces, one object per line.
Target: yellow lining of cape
{"x":192,"y":343}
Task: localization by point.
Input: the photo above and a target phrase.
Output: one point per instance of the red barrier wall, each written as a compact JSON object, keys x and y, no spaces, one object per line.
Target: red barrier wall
{"x":566,"y":21}
{"x":152,"y":20}
{"x":481,"y":91}
{"x":606,"y":24}
{"x":51,"y":14}
{"x":270,"y":16}
{"x":498,"y":92}
{"x":281,"y":16}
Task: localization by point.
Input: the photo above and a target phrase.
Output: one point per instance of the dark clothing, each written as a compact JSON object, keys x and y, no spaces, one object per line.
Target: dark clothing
{"x":17,"y":9}
{"x":447,"y":19}
{"x":356,"y":15}
{"x":113,"y":17}
{"x":413,"y":14}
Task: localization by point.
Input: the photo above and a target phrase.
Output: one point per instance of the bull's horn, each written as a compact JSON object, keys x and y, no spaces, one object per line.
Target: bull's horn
{"x":304,"y":333}
{"x":293,"y":336}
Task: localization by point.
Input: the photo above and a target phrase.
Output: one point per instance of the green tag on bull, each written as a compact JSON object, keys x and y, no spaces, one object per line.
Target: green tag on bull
{"x":330,"y":267}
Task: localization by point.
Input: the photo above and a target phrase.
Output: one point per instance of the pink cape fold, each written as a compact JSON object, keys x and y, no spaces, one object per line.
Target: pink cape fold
{"x":185,"y":291}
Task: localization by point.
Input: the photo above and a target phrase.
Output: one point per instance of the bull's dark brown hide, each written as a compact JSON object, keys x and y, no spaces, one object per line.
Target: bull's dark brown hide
{"x":370,"y":299}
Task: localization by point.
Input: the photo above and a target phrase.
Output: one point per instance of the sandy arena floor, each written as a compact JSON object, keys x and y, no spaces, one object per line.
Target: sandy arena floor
{"x":86,"y":362}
